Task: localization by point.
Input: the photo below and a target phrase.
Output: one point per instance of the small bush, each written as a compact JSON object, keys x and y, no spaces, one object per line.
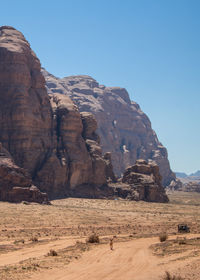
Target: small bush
{"x":182,"y":241}
{"x":168,"y":276}
{"x":19,"y":241}
{"x":52,"y":253}
{"x":163,"y":237}
{"x":34,"y":239}
{"x":94,"y":238}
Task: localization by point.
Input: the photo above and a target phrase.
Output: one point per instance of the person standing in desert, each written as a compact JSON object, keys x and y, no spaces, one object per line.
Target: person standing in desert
{"x":111,"y":243}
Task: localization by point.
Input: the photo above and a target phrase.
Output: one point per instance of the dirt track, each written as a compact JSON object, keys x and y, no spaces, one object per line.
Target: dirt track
{"x":129,"y":260}
{"x":36,"y":251}
{"x":60,"y":225}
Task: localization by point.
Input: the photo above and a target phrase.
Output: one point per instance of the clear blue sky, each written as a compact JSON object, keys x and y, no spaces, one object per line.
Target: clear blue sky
{"x":150,"y":47}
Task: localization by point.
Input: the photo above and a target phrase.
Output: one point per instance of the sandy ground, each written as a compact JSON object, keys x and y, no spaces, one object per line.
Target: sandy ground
{"x":34,"y":251}
{"x":129,"y":260}
{"x":29,"y":232}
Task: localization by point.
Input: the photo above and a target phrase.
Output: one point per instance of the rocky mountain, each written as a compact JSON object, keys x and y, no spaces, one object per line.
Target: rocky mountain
{"x":124,"y":129}
{"x":49,"y":144}
{"x":46,"y":135}
{"x":195,"y":174}
{"x":181,"y":174}
{"x":184,"y":175}
{"x":188,"y":179}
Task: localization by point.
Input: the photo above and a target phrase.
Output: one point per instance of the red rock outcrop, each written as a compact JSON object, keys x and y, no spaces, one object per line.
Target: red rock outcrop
{"x":15,"y":182}
{"x":58,"y":145}
{"x":76,"y":144}
{"x":124,"y":129}
{"x":46,"y":135}
{"x":25,"y":120}
{"x":145,"y":181}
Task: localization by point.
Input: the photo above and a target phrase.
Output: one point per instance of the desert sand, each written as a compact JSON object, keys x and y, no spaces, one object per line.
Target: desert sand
{"x":29,"y":231}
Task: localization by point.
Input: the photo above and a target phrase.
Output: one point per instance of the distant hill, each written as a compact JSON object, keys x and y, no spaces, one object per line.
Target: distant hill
{"x":184,"y":175}
{"x":181,"y":174}
{"x":196,"y":174}
{"x":189,"y":180}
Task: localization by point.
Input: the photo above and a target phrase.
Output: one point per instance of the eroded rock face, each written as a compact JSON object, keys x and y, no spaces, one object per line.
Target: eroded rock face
{"x":70,"y":144}
{"x":124,"y":129}
{"x":15,"y":182}
{"x":109,"y":168}
{"x":145,"y":181}
{"x":45,"y":134}
{"x":25,"y":119}
{"x":81,"y":165}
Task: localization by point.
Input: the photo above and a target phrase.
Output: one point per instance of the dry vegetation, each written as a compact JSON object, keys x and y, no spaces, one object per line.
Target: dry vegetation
{"x":168,"y":276}
{"x":67,"y":223}
{"x":163,"y":237}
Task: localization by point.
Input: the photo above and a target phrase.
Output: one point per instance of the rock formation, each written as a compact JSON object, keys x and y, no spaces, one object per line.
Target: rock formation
{"x":144,"y":180}
{"x":25,"y":120}
{"x":175,"y":185}
{"x":191,"y":186}
{"x":15,"y":182}
{"x":124,"y":129}
{"x":50,"y":144}
{"x":44,"y":134}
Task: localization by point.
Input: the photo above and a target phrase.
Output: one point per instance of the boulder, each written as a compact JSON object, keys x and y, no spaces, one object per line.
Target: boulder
{"x":144,"y":180}
{"x":175,"y":185}
{"x":32,"y":194}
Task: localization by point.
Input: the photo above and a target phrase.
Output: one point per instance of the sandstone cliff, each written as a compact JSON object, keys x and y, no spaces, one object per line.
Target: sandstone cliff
{"x":124,"y":129}
{"x":49,"y":143}
{"x":44,"y":134}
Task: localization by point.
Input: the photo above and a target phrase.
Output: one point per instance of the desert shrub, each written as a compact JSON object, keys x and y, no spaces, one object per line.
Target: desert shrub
{"x":19,"y":241}
{"x":52,"y":253}
{"x":168,"y":276}
{"x":182,"y":241}
{"x":93,"y":238}
{"x":34,"y":239}
{"x":163,"y":237}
